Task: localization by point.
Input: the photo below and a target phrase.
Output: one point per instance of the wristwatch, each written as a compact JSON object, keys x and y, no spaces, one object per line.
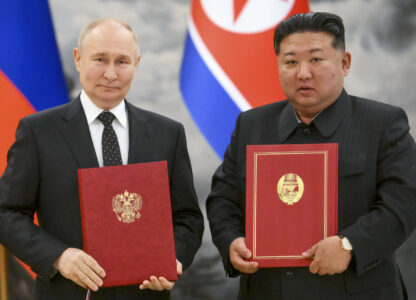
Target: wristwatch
{"x":345,"y":243}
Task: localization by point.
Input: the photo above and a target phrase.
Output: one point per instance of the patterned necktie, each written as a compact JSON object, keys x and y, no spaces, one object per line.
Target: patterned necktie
{"x":109,"y":142}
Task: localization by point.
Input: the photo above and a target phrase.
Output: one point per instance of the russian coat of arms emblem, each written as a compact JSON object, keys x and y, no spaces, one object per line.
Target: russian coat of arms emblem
{"x":126,"y":206}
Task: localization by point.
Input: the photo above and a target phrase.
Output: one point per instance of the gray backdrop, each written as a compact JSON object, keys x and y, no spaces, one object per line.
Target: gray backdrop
{"x":380,"y":34}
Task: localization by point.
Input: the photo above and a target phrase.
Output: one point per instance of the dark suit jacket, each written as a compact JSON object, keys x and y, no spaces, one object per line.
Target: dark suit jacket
{"x":41,"y":177}
{"x":377,"y":196}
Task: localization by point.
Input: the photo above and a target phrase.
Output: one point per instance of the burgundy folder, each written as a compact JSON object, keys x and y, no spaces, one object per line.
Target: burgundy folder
{"x":127,"y":221}
{"x":291,"y":201}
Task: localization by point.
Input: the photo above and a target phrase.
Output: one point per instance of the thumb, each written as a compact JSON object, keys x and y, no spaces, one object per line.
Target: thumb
{"x":244,"y":251}
{"x":178,"y":267}
{"x":310,"y":252}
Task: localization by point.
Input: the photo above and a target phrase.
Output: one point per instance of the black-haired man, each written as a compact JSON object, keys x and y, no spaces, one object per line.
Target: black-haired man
{"x":377,"y":171}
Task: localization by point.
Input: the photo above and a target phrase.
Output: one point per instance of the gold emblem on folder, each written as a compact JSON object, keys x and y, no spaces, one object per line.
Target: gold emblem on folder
{"x":290,"y":188}
{"x":126,"y":206}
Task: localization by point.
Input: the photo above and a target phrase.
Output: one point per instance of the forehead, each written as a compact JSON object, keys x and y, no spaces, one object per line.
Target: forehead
{"x":306,"y":41}
{"x":110,"y":37}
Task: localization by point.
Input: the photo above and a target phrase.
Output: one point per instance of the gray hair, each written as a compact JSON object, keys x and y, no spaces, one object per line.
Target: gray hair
{"x":88,"y":28}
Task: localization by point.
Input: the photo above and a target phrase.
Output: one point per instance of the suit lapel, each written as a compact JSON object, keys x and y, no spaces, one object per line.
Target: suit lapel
{"x":278,"y":125}
{"x":139,"y":135}
{"x":75,"y":129}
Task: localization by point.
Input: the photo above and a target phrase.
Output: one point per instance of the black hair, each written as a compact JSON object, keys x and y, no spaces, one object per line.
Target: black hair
{"x":314,"y":22}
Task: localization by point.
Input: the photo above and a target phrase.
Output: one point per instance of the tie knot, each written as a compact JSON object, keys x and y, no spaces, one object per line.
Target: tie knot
{"x":106,"y":117}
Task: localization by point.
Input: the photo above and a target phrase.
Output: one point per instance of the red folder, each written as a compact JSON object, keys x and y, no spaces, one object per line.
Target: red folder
{"x":291,"y":201}
{"x":127,"y":221}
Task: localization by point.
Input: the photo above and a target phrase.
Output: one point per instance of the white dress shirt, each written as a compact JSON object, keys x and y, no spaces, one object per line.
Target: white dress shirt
{"x":120,"y":125}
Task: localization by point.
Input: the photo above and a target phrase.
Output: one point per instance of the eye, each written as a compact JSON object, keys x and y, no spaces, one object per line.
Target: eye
{"x":291,"y":62}
{"x":316,"y":59}
{"x":98,"y":59}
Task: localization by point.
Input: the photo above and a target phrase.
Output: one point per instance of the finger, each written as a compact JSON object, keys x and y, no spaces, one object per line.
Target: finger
{"x":322,"y":271}
{"x":78,"y":281}
{"x":243,"y":251}
{"x":85,"y":270}
{"x":155,"y":283}
{"x":178,"y":267}
{"x":314,"y":267}
{"x":246,"y":267}
{"x":93,"y":264}
{"x":86,"y":281}
{"x":144,"y":285}
{"x":167,"y":285}
{"x":310,"y":252}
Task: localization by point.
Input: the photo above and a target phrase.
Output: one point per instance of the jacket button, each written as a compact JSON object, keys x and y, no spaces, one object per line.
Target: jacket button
{"x":289,"y":274}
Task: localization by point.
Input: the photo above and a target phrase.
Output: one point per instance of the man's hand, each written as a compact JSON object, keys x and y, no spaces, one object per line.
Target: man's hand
{"x":328,"y":257}
{"x":81,"y":268}
{"x":161,"y":283}
{"x":238,"y":252}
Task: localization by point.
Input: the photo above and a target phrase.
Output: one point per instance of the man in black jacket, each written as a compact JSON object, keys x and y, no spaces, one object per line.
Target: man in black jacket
{"x":377,"y":174}
{"x":41,"y":174}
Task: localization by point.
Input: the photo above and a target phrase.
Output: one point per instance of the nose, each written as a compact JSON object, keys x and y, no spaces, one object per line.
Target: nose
{"x":110,"y":73}
{"x":304,"y":71}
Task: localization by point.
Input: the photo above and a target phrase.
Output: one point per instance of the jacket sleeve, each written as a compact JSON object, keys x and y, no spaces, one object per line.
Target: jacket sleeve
{"x":19,"y":187}
{"x":188,"y":223}
{"x":391,"y":219}
{"x":225,"y":205}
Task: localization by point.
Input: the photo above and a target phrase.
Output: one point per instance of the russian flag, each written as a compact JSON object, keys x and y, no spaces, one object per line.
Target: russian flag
{"x":31,"y":77}
{"x":229,"y":64}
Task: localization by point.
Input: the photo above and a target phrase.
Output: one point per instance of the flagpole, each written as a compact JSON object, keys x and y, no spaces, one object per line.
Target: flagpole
{"x":3,"y":274}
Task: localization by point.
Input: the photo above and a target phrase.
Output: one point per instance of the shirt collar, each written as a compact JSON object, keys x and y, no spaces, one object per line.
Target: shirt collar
{"x":326,"y":121}
{"x":92,"y":111}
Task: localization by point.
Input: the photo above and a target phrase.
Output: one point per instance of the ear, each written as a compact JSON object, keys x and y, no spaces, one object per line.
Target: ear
{"x":138,"y":60}
{"x":346,"y":62}
{"x":77,"y":58}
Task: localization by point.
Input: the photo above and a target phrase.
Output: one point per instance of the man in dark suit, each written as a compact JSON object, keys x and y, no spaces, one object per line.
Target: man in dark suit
{"x":51,"y":145}
{"x":377,"y":174}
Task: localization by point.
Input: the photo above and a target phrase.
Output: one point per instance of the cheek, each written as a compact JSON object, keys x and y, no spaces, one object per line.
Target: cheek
{"x":92,"y":73}
{"x":126,"y":76}
{"x":285,"y":76}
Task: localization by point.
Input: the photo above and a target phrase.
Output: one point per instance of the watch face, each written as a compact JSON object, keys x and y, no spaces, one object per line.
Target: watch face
{"x":346,"y":244}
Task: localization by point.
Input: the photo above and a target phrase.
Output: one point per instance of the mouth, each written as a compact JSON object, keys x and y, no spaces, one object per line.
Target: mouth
{"x":108,"y":87}
{"x":305,"y":88}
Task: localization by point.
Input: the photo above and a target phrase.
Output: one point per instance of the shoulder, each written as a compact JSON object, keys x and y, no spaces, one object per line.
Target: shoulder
{"x":47,"y":117}
{"x":152,"y":119}
{"x":373,"y":107}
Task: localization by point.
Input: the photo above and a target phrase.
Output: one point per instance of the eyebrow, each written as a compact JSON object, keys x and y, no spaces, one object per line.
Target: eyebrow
{"x":310,"y":51}
{"x":98,"y":54}
{"x":316,"y":50}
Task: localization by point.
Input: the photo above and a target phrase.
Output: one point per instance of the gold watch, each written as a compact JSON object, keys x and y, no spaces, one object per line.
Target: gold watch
{"x":345,"y":243}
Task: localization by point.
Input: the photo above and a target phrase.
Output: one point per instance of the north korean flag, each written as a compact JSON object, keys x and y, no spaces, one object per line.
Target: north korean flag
{"x":229,"y":64}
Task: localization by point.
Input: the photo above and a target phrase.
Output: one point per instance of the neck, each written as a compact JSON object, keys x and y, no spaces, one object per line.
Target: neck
{"x":306,"y":118}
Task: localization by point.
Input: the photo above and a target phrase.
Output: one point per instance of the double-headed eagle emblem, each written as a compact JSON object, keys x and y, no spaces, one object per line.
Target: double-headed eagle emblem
{"x":126,"y":206}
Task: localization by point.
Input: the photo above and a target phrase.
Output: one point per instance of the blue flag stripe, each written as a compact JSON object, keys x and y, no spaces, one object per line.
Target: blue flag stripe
{"x":28,"y":52}
{"x":211,"y":107}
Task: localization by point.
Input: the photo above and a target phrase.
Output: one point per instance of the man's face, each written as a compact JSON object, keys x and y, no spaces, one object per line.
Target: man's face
{"x":106,"y":64}
{"x":311,"y":71}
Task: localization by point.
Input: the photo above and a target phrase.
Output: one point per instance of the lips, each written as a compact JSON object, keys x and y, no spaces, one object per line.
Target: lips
{"x":108,"y":87}
{"x":304,"y":88}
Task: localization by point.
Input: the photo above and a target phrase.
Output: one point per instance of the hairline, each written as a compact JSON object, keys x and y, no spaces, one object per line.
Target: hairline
{"x":334,"y":44}
{"x":94,"y":24}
